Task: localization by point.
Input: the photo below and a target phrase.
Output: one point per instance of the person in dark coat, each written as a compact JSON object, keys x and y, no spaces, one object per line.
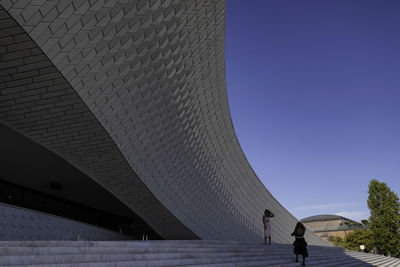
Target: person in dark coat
{"x":300,"y":245}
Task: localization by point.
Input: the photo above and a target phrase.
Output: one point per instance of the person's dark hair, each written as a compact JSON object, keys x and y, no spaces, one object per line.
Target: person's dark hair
{"x":299,"y":230}
{"x":267,"y":211}
{"x":300,"y":225}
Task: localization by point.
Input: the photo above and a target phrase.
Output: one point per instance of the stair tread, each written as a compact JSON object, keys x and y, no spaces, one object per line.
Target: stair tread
{"x":174,"y":253}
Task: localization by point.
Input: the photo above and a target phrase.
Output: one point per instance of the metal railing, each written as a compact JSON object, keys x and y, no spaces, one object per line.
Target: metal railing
{"x":335,"y":228}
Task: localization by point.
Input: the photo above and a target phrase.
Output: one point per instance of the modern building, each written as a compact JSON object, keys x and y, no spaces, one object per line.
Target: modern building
{"x":331,"y":225}
{"x":114,"y":115}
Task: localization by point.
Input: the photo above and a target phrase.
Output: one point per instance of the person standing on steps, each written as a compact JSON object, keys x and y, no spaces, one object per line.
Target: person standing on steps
{"x":267,"y":225}
{"x":300,"y":244}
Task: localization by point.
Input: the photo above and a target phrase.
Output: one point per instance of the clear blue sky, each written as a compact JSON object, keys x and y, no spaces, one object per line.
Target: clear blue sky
{"x":314,"y":93}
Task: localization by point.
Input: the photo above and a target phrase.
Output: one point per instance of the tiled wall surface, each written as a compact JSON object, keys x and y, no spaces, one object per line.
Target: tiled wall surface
{"x":36,"y":100}
{"x":147,"y":79}
{"x":24,"y":224}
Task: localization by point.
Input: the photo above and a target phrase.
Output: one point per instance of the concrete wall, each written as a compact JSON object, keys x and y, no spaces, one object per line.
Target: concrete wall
{"x":321,"y":224}
{"x":23,"y":224}
{"x":150,"y":81}
{"x":325,"y":235}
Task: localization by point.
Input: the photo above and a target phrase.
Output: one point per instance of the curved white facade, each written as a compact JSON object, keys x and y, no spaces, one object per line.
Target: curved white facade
{"x":133,"y":94}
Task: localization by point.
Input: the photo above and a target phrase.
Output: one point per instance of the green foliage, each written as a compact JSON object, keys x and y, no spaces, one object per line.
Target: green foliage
{"x":354,"y":224}
{"x":365,"y":222}
{"x":336,"y":240}
{"x":358,"y":237}
{"x":385,"y":217}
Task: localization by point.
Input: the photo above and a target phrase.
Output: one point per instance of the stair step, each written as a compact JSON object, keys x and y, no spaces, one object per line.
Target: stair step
{"x":41,"y":259}
{"x":286,"y":262}
{"x":175,"y":253}
{"x":326,"y":262}
{"x":376,"y":259}
{"x":233,"y":261}
{"x":100,"y":250}
{"x":145,"y":249}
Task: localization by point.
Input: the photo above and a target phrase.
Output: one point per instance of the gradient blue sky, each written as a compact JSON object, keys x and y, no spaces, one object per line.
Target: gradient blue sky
{"x":314,"y":93}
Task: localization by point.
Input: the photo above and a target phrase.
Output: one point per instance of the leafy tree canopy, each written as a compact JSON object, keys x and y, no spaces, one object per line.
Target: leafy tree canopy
{"x":385,"y":217}
{"x":365,"y":222}
{"x":336,"y":240}
{"x":359,"y":237}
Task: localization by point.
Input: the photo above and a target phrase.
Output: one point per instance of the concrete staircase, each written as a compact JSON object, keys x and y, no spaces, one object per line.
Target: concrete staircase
{"x":174,"y":253}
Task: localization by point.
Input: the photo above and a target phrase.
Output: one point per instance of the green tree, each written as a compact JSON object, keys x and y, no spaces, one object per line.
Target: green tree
{"x":385,"y":217}
{"x":336,"y":240}
{"x":358,"y":237}
{"x":365,"y":222}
